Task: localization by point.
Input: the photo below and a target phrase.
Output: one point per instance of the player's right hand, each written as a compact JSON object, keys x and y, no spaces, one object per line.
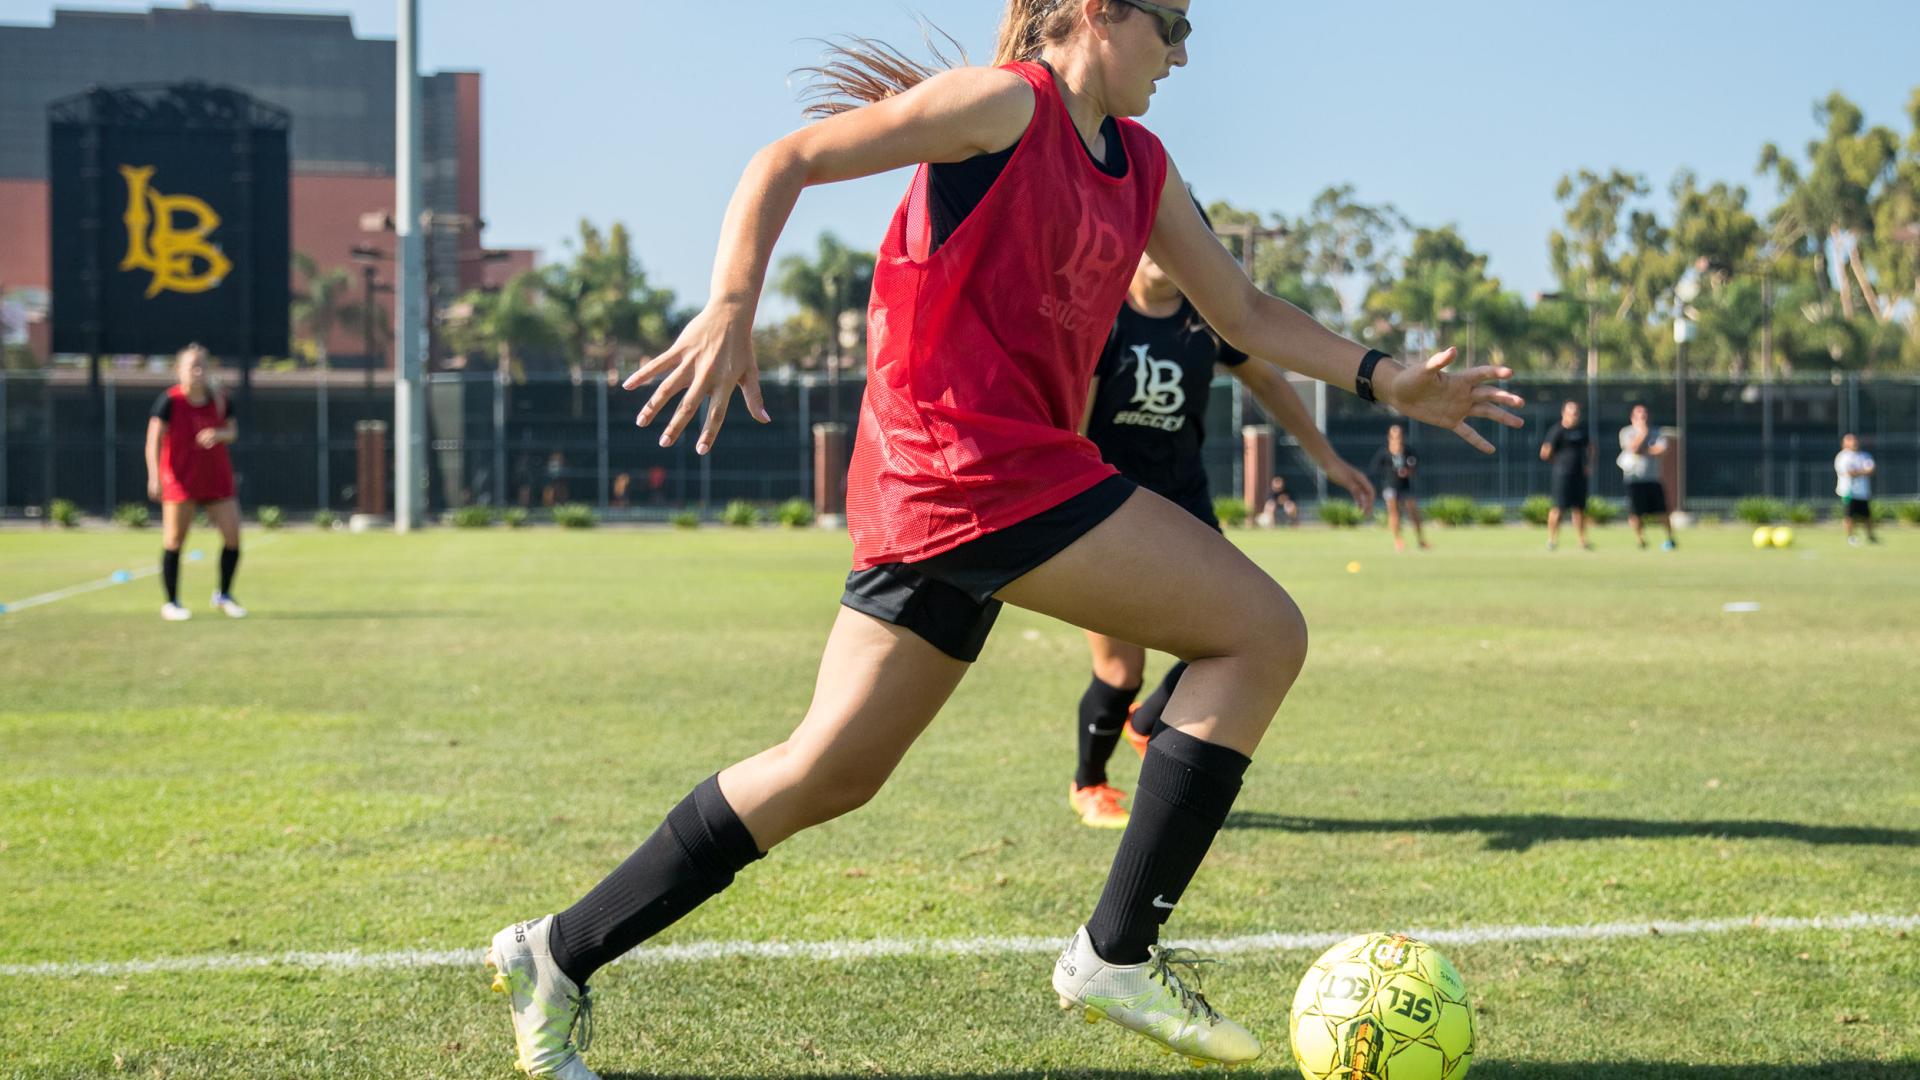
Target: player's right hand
{"x":153,"y":490}
{"x":713,"y":355}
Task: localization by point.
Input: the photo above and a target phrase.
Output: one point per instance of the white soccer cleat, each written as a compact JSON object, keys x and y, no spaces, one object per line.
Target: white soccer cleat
{"x":1153,"y":1000}
{"x":173,"y":612}
{"x":548,"y":1009}
{"x":228,"y":606}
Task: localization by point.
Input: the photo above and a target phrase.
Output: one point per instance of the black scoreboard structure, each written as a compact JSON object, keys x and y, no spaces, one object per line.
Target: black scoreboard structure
{"x":169,"y":222}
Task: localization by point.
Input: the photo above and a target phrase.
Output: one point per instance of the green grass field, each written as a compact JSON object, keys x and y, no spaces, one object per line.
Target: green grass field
{"x":416,"y":740}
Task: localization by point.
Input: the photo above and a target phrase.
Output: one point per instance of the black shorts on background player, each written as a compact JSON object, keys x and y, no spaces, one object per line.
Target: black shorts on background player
{"x":1646,"y":498}
{"x":1860,"y":509}
{"x":1570,"y":491}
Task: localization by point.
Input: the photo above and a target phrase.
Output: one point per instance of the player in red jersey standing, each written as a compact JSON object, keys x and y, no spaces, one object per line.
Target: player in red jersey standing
{"x":188,"y":432}
{"x":970,"y":486}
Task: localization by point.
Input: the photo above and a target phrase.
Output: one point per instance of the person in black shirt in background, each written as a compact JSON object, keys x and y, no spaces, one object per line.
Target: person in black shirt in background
{"x":1570,"y":448}
{"x":1146,"y":412}
{"x":1280,"y":508}
{"x":1395,"y":465}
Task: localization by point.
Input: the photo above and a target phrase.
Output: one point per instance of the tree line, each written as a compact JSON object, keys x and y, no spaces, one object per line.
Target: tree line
{"x":1828,"y":280}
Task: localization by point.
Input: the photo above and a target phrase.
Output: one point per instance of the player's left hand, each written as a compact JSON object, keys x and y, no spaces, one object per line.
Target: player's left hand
{"x":1343,"y":473}
{"x":207,"y":437}
{"x":1432,"y":395}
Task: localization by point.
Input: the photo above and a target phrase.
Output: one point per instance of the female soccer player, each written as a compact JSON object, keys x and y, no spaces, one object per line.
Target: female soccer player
{"x":970,"y":485}
{"x":188,"y":432}
{"x":1397,"y":465}
{"x":1146,"y":412}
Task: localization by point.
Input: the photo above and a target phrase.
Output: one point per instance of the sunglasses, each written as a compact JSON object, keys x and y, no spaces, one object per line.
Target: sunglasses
{"x":1174,"y":26}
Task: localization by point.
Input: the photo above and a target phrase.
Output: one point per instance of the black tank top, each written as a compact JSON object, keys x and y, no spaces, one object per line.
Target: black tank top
{"x":954,"y":189}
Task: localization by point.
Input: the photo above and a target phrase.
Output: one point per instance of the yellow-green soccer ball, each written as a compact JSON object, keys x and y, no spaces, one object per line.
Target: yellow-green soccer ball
{"x":1782,"y":536}
{"x":1382,"y":1007}
{"x":1763,"y":538}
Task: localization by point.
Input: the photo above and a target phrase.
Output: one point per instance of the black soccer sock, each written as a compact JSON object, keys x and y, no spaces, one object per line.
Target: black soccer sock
{"x":1146,"y":719}
{"x":229,"y":562}
{"x":1103,"y":711}
{"x":1186,"y":788}
{"x":690,"y":857}
{"x":170,"y":574}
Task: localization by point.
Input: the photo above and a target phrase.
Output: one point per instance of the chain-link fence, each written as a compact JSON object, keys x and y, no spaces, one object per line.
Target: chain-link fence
{"x":543,"y":441}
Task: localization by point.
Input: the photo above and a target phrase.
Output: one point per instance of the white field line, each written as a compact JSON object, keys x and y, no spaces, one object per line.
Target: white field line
{"x":12,"y":606}
{"x":108,"y":582}
{"x":694,"y":952}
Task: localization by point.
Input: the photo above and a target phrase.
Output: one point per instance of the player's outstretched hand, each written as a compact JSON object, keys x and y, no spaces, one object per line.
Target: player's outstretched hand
{"x":1432,"y":395}
{"x":712,"y":357}
{"x":1343,"y":473}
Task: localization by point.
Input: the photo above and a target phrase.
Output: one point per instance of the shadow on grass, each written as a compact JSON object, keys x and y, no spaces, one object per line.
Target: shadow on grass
{"x":1518,"y":832}
{"x":345,"y":616}
{"x":1487,"y":1070}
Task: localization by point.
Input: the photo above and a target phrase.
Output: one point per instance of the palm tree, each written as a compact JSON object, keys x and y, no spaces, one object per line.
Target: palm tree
{"x":319,"y":307}
{"x":837,"y":279}
{"x":508,"y":322}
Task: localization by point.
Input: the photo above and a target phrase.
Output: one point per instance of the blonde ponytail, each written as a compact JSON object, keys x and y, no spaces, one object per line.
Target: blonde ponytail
{"x":859,"y":71}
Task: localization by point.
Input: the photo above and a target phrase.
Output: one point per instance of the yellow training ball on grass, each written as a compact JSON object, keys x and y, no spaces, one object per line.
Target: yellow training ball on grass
{"x":1382,"y":1007}
{"x":1763,"y":538}
{"x":1353,"y":568}
{"x":1782,"y":537}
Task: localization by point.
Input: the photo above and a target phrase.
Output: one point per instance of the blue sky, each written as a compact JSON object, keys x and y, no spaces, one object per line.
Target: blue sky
{"x":1464,"y":113}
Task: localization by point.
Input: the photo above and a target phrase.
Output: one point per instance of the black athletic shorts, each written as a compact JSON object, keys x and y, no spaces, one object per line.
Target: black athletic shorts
{"x":948,"y":599}
{"x":1570,"y":491}
{"x":1860,"y":509}
{"x":1646,"y":498}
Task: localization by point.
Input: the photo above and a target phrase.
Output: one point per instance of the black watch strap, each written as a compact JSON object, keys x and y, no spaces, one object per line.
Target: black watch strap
{"x":1363,"y":380}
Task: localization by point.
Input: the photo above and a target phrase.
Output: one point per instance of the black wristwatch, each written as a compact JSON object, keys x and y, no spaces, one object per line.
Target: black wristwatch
{"x":1363,"y":379}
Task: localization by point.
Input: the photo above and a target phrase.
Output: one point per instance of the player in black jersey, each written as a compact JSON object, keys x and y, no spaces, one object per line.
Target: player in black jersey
{"x":1395,"y":464}
{"x":1146,"y":413}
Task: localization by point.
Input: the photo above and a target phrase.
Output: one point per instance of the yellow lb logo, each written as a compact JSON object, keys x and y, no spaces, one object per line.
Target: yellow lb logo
{"x":155,"y":244}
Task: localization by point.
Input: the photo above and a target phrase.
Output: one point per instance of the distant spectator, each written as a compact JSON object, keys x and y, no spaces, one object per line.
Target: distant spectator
{"x":656,"y":484}
{"x":555,"y":492}
{"x":621,"y":482}
{"x":1641,"y":449}
{"x":1396,"y":464}
{"x":1570,"y":449}
{"x":1279,"y":504}
{"x":1853,"y":468}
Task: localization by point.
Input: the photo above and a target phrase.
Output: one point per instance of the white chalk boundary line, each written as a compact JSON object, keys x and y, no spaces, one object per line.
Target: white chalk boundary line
{"x":695,"y":952}
{"x":118,"y":577}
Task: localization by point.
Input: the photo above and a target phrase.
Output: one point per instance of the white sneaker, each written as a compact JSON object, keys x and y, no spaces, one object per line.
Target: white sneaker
{"x":173,"y":612}
{"x":228,"y":606}
{"x":1152,"y":1000}
{"x":547,"y":1007}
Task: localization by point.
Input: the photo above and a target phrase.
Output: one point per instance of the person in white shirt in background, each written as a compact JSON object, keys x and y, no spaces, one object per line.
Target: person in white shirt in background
{"x":1641,"y":449}
{"x":1853,"y":468}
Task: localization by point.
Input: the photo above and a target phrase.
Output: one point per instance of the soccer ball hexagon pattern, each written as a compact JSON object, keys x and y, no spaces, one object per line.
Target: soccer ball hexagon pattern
{"x":1382,"y":1007}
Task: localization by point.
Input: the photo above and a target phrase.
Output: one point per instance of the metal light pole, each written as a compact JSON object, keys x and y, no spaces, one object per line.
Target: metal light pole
{"x":1685,"y":292}
{"x":1593,"y":369}
{"x":410,"y":292}
{"x":1766,"y":381}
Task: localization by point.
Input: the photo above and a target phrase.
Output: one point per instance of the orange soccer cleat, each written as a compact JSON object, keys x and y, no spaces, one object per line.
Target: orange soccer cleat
{"x":1100,"y":806}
